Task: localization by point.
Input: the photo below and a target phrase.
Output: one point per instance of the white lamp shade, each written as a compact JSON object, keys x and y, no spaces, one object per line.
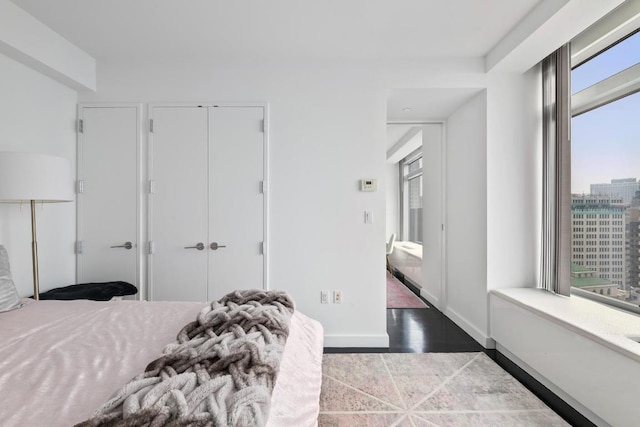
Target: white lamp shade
{"x":34,"y":176}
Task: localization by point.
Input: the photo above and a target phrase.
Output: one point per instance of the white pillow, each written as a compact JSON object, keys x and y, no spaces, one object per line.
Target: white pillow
{"x":9,"y":298}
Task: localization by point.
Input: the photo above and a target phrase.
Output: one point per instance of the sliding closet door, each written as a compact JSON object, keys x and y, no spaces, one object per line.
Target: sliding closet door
{"x":107,"y":248}
{"x":236,"y":215}
{"x":178,"y":203}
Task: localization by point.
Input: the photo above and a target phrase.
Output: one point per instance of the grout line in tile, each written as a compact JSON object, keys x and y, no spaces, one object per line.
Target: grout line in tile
{"x":444,"y":383}
{"x":365,"y":393}
{"x":484,"y":411}
{"x":399,"y":420}
{"x":417,"y":415}
{"x":393,"y":381}
{"x":360,"y":412}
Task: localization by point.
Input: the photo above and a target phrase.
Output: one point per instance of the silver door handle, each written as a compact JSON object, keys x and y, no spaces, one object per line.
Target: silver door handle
{"x":214,"y":246}
{"x":127,"y":245}
{"x":199,"y":246}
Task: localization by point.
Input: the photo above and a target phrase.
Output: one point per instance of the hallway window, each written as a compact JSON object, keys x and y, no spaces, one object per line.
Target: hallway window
{"x":411,"y":198}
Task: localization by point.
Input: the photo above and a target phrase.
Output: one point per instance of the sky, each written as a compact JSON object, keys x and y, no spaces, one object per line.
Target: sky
{"x":606,"y":141}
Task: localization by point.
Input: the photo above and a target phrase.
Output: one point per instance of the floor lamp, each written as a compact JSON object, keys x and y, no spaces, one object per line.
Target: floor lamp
{"x":34,"y":178}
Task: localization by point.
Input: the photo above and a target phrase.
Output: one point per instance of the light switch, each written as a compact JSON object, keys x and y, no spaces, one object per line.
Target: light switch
{"x":368,"y":217}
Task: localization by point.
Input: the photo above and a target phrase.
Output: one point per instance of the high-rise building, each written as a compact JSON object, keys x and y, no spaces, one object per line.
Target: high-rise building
{"x":632,"y":228}
{"x":598,"y":236}
{"x":625,"y":188}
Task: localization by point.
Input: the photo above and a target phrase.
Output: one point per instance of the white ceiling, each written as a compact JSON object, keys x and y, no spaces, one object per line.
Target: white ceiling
{"x":145,"y":30}
{"x":256,"y":29}
{"x":426,"y":104}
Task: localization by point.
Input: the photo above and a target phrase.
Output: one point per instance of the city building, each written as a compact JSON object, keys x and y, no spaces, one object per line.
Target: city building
{"x":632,"y":249}
{"x":586,"y":279}
{"x":598,"y":236}
{"x":625,"y":188}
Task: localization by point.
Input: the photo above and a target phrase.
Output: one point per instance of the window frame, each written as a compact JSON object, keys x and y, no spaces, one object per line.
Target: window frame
{"x":405,"y":177}
{"x":604,"y":92}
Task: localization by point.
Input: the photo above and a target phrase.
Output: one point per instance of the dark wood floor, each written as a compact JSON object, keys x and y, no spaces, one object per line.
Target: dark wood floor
{"x":419,"y":330}
{"x":426,"y":330}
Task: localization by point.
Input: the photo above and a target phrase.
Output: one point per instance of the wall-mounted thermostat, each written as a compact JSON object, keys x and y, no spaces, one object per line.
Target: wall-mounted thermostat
{"x":368,"y":185}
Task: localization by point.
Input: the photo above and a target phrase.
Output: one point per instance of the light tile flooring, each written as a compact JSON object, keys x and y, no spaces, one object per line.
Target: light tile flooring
{"x":425,"y":389}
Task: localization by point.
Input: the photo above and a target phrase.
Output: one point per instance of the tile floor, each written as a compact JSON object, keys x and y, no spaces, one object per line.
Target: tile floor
{"x":425,"y":389}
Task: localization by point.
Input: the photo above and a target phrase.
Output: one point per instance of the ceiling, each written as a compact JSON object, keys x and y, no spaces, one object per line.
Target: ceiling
{"x":415,"y":105}
{"x":193,"y":30}
{"x":257,"y":29}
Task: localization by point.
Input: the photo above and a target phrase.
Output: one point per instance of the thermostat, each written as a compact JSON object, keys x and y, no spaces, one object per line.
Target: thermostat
{"x":368,"y":185}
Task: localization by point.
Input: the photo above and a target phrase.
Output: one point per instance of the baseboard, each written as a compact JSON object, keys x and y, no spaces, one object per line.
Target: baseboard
{"x":475,"y":333}
{"x":371,"y":341}
{"x":433,"y":300}
{"x":554,"y":397}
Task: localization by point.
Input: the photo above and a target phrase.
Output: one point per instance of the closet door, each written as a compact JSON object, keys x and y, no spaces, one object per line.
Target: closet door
{"x":178,"y":210}
{"x":107,"y":203}
{"x":207,"y":206}
{"x":236,"y":215}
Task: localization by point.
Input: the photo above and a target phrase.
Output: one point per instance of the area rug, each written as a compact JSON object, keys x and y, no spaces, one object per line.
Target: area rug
{"x":399,"y":296}
{"x":425,"y":389}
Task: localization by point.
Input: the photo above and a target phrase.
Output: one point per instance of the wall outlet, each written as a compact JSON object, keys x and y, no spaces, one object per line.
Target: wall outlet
{"x":337,"y":297}
{"x":324,"y":297}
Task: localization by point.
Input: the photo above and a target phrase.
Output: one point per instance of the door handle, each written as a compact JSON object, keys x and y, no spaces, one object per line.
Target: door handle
{"x":127,"y":245}
{"x":214,"y":246}
{"x":199,"y":246}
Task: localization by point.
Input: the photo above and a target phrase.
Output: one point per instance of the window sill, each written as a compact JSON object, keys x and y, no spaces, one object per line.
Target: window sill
{"x":613,"y":328}
{"x":410,"y":248}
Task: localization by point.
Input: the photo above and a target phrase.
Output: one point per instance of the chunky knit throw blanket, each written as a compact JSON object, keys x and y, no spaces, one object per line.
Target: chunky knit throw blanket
{"x":220,"y":371}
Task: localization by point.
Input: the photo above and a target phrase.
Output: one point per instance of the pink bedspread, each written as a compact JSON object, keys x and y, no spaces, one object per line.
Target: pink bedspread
{"x":60,"y":360}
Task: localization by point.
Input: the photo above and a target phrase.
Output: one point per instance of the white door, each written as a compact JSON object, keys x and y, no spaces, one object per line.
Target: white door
{"x":206,"y":209}
{"x":179,"y":204}
{"x":107,"y":202}
{"x":236,"y":216}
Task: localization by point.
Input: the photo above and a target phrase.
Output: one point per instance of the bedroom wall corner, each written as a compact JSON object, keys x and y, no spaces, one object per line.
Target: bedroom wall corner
{"x":38,"y":114}
{"x":466,"y":217}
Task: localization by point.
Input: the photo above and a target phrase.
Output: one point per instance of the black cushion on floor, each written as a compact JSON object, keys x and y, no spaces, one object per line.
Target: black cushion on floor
{"x":93,"y":291}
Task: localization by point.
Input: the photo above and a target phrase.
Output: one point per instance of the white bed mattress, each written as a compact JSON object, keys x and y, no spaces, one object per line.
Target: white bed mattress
{"x":60,"y":360}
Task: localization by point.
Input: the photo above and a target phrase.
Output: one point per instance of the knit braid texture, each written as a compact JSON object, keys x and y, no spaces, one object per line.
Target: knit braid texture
{"x":220,"y":371}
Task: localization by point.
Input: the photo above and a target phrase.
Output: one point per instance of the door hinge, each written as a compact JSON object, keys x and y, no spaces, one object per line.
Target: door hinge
{"x":152,"y":247}
{"x":80,"y":189}
{"x":261,"y":248}
{"x":262,"y":187}
{"x":152,"y":186}
{"x":79,"y":247}
{"x":151,"y":125}
{"x":81,"y":126}
{"x":262,"y":125}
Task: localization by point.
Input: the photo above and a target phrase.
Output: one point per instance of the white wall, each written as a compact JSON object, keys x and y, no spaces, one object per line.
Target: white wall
{"x":493,"y":179}
{"x":37,"y":114}
{"x":514,"y":179}
{"x":392,"y":196}
{"x":466,"y":217}
{"x":326,"y":130}
{"x":432,"y":210}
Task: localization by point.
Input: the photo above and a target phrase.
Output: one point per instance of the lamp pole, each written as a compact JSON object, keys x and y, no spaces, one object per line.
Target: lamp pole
{"x":34,"y":253}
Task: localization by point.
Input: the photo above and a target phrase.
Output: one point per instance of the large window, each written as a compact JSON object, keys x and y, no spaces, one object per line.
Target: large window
{"x":605,"y":174}
{"x":411,"y":197}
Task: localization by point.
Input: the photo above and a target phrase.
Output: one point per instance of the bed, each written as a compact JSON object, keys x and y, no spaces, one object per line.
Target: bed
{"x":61,"y":360}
